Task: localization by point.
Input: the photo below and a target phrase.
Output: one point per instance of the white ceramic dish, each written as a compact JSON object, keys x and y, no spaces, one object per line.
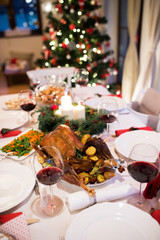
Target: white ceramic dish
{"x":16,"y":183}
{"x":12,"y":119}
{"x":93,"y":102}
{"x":126,"y":141}
{"x":4,"y":141}
{"x":113,"y":221}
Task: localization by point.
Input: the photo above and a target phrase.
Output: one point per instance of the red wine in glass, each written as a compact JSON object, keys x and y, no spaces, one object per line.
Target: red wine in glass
{"x":27,"y":101}
{"x":108,"y":118}
{"x":49,"y":175}
{"x":28,"y":106}
{"x":143,"y":171}
{"x":142,"y":165}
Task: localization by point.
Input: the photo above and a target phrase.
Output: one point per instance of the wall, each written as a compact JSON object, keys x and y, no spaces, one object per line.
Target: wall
{"x":34,"y":43}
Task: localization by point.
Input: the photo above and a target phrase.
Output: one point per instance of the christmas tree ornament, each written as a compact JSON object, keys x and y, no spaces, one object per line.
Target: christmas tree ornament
{"x":72,"y":27}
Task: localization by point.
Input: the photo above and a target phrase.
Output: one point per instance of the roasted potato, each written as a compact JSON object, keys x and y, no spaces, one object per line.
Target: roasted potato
{"x":108,"y":175}
{"x":100,"y":178}
{"x":90,"y":151}
{"x":85,"y":138}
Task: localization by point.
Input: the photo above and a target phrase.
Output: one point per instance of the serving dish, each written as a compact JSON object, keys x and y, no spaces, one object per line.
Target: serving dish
{"x":113,"y":221}
{"x":5,"y":141}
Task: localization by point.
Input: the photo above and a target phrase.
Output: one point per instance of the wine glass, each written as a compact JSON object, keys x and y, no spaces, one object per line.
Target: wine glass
{"x":108,"y":112}
{"x":143,"y":166}
{"x":81,"y":77}
{"x":49,"y":168}
{"x":27,"y":102}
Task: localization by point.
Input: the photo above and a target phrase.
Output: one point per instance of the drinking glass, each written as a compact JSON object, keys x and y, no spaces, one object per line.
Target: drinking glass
{"x":49,"y":168}
{"x":143,"y":166}
{"x":108,"y":112}
{"x":81,"y":77}
{"x":27,"y":102}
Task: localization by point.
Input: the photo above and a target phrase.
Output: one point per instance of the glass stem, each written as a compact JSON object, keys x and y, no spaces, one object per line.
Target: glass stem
{"x":140,"y":202}
{"x":29,"y":119}
{"x":52,"y":196}
{"x":107,"y":130}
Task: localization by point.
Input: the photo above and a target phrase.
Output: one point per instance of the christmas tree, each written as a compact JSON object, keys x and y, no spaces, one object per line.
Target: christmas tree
{"x":76,"y":37}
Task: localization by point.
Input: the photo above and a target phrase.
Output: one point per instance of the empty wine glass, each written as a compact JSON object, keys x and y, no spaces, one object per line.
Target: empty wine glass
{"x":81,"y":77}
{"x":108,"y":112}
{"x":49,"y":168}
{"x":142,"y":165}
{"x":27,"y":102}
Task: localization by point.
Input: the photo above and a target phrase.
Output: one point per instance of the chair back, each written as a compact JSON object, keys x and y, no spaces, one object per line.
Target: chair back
{"x":42,"y":75}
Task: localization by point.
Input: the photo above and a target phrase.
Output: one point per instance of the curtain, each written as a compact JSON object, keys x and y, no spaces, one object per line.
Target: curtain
{"x":150,"y":38}
{"x":131,"y":66}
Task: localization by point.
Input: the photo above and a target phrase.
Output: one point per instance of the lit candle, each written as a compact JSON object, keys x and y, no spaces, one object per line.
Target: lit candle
{"x":67,"y":108}
{"x":79,"y":112}
{"x":66,"y":101}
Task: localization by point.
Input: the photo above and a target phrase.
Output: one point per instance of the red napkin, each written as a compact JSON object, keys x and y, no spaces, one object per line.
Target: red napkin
{"x":10,"y":134}
{"x":7,"y":217}
{"x":152,"y":188}
{"x":119,"y":132}
{"x":156,"y":215}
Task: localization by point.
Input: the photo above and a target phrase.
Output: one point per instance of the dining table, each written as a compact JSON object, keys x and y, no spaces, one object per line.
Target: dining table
{"x":55,"y":228}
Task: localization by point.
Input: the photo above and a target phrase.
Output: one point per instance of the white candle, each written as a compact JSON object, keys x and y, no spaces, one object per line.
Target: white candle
{"x":69,"y":112}
{"x":79,"y":112}
{"x":66,"y":102}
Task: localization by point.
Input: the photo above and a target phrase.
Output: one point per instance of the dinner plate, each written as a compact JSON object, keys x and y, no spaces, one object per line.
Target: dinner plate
{"x":16,"y":183}
{"x":5,"y":141}
{"x":93,"y":102}
{"x":126,"y":141}
{"x":12,"y":119}
{"x":113,"y":221}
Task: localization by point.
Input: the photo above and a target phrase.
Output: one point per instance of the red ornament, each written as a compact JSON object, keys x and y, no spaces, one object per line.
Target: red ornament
{"x":47,"y":53}
{"x":53,"y":61}
{"x":43,"y":114}
{"x":59,"y":7}
{"x":88,"y":46}
{"x":89,"y":30}
{"x":72,"y":27}
{"x":64,"y":45}
{"x":63,"y":21}
{"x":53,"y":34}
{"x":77,"y":59}
{"x":89,"y":68}
{"x":87,"y":14}
{"x":81,"y":4}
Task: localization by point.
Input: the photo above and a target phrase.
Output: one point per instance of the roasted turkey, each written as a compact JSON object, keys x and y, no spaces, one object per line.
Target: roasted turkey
{"x":68,"y":143}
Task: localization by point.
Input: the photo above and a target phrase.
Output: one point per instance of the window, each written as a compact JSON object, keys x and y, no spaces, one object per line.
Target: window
{"x":19,"y":17}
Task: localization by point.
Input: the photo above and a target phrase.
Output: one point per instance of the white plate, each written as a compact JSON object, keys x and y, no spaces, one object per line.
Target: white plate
{"x":126,"y":141}
{"x":4,"y":141}
{"x":12,"y":119}
{"x":93,"y":102}
{"x":113,"y":221}
{"x":16,"y":183}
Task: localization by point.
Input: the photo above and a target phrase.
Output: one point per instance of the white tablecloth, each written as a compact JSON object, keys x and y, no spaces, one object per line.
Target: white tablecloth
{"x":50,"y":228}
